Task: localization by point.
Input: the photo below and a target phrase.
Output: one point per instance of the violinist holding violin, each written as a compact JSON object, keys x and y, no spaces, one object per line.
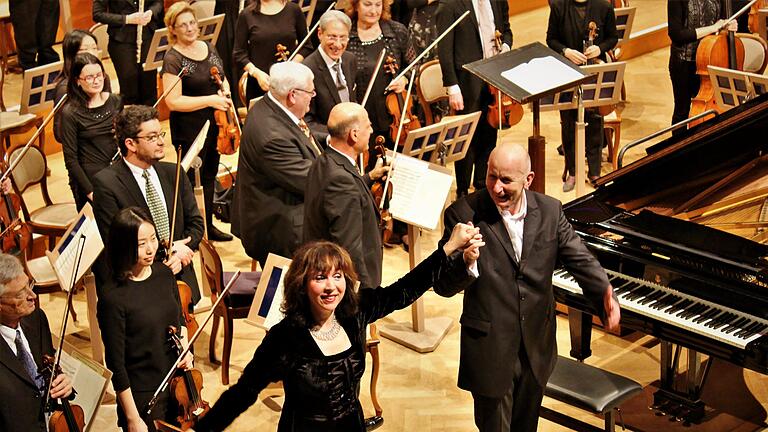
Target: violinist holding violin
{"x":196,"y":99}
{"x":26,"y":337}
{"x":581,"y":30}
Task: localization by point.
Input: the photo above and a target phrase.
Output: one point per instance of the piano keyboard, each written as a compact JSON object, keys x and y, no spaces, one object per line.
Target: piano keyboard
{"x":681,"y":310}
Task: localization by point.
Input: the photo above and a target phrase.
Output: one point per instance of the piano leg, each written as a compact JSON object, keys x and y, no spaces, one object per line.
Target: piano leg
{"x":680,"y":404}
{"x":580,"y":326}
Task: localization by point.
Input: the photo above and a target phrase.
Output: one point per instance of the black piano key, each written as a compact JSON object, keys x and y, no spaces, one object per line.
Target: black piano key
{"x":707,"y":315}
{"x":659,"y":301}
{"x":723,"y":321}
{"x":690,"y":311}
{"x":695,"y":311}
{"x":670,"y":302}
{"x":716,"y":320}
{"x":748,"y":330}
{"x":678,"y":306}
{"x":639,"y":293}
{"x":652,"y":297}
{"x":684,"y":308}
{"x":627,"y":287}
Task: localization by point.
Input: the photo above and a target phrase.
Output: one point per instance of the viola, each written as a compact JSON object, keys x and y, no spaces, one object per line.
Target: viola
{"x":186,"y":387}
{"x":228,"y":140}
{"x":66,"y":417}
{"x":592,"y":28}
{"x":15,"y":234}
{"x":396,"y":104}
{"x":504,"y":112}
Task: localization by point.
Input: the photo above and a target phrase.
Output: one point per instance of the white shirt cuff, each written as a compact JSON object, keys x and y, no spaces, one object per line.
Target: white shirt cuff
{"x":454,"y":89}
{"x":472,"y":270}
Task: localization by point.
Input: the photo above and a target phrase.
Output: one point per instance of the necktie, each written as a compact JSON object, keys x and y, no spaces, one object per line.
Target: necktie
{"x":304,"y":128}
{"x":26,"y":359}
{"x":341,"y":85}
{"x":157,"y":209}
{"x":487,"y":27}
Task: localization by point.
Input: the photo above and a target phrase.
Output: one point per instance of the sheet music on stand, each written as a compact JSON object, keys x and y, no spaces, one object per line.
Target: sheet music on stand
{"x":196,"y":147}
{"x":63,"y":257}
{"x":419,"y":191}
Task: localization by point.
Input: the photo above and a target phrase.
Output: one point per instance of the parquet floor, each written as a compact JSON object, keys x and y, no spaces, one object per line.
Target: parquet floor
{"x":418,"y":391}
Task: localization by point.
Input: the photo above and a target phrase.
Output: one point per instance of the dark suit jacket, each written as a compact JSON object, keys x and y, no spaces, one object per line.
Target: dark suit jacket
{"x":273,"y":165}
{"x":115,"y":188}
{"x":113,"y":12}
{"x":22,"y":409}
{"x":339,"y":207}
{"x":510,"y":306}
{"x":462,"y":45}
{"x":327,"y":95}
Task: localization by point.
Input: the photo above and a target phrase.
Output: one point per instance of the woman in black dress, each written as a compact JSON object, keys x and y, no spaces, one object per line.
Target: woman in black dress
{"x":85,"y":126}
{"x":194,"y":100}
{"x":318,"y":349}
{"x":134,"y":316}
{"x":75,"y":42}
{"x":261,"y":26}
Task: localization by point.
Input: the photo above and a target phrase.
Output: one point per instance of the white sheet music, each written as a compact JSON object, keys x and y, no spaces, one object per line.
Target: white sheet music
{"x":418,"y":192}
{"x":64,"y":256}
{"x":541,"y":74}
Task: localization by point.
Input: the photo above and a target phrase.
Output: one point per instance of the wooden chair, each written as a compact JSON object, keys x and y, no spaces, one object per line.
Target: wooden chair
{"x":755,"y":52}
{"x":52,"y":219}
{"x":612,"y":130}
{"x":235,"y":306}
{"x":242,"y":85}
{"x":15,"y":121}
{"x":429,"y":86}
{"x":102,"y":38}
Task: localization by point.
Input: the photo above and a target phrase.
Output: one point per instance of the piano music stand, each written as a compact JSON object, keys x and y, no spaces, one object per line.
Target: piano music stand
{"x":602,"y":87}
{"x":209,"y":31}
{"x":529,"y":86}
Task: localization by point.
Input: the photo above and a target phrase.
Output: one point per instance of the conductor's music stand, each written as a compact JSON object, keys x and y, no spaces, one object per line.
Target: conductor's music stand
{"x":526,"y":75}
{"x":209,"y":31}
{"x":602,"y":87}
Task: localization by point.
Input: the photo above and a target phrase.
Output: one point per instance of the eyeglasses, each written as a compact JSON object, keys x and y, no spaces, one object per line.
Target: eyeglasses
{"x":334,"y":38}
{"x":186,"y":25}
{"x":91,"y":78}
{"x":309,"y":92}
{"x":153,"y":137}
{"x":24,"y":291}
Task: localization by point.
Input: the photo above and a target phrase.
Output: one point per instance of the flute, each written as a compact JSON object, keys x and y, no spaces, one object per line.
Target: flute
{"x":139,"y":29}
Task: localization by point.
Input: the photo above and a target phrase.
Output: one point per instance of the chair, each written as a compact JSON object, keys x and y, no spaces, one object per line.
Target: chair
{"x":203,"y":9}
{"x":235,"y":306}
{"x":52,"y":219}
{"x":45,"y":280}
{"x":102,"y":38}
{"x":242,"y":85}
{"x":429,"y":86}
{"x":14,"y":122}
{"x":755,"y":58}
{"x":612,"y":130}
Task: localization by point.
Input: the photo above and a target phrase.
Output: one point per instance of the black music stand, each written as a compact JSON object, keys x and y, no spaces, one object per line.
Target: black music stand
{"x":528,"y":74}
{"x":209,"y":31}
{"x":733,"y":87}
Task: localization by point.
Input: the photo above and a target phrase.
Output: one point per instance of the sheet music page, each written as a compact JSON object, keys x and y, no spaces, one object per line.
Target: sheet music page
{"x":67,"y":249}
{"x":89,"y":379}
{"x":418,"y":192}
{"x":541,"y":74}
{"x":274,"y":315}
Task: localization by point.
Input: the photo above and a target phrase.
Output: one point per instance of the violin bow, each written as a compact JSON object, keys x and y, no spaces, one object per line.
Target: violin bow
{"x":399,"y":131}
{"x":376,"y":70}
{"x":167,"y":379}
{"x":180,"y":75}
{"x":429,"y":48}
{"x":309,"y":34}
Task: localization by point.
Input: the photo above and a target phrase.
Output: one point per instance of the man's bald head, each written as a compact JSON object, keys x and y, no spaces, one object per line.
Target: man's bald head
{"x":349,"y":127}
{"x":509,"y":173}
{"x":512,"y":156}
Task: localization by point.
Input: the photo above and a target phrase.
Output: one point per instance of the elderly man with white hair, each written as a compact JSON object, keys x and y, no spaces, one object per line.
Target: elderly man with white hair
{"x":276,"y":152}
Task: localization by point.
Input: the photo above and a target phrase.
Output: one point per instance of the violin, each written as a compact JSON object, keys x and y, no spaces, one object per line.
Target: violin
{"x":228,"y":140}
{"x":15,"y":234}
{"x":281,"y":53}
{"x":186,"y":387}
{"x":504,"y":112}
{"x":396,"y":104}
{"x":377,"y":190}
{"x":67,"y":417}
{"x":592,"y":28}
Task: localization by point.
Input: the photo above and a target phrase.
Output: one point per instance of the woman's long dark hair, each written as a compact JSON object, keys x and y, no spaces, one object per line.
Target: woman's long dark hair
{"x":76,"y":93}
{"x":70,"y":48}
{"x":123,"y":245}
{"x":309,"y":260}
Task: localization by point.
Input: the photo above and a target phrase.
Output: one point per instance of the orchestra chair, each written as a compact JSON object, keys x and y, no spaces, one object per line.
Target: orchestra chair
{"x":242,"y":85}
{"x":52,"y":219}
{"x":755,"y":52}
{"x":102,"y":39}
{"x":44,"y":280}
{"x":235,"y":306}
{"x":589,"y":388}
{"x":612,"y":130}
{"x":429,"y":86}
{"x":15,"y":121}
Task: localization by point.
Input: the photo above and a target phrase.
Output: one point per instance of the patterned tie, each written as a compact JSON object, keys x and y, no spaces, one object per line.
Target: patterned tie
{"x":26,"y":359}
{"x":341,"y":85}
{"x":304,"y":128}
{"x":487,"y":27}
{"x":157,"y":209}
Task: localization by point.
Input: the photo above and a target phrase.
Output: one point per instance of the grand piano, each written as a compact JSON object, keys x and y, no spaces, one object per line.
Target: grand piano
{"x":682,"y":233}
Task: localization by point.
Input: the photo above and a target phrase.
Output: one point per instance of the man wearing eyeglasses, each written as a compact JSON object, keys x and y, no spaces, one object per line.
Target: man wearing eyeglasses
{"x":141,"y":180}
{"x":26,"y":337}
{"x":276,"y":152}
{"x":334,"y":69}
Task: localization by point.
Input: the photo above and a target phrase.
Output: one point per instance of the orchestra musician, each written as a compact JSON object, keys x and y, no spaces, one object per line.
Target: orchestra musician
{"x":508,"y":347}
{"x":134,"y":316}
{"x":689,"y":21}
{"x":194,"y":101}
{"x":75,"y":42}
{"x":26,"y":338}
{"x":276,"y":152}
{"x":318,"y":349}
{"x":123,"y":18}
{"x":568,"y":33}
{"x":261,"y":26}
{"x":35,"y":23}
{"x":338,"y":205}
{"x":471,"y":40}
{"x":141,"y":180}
{"x":85,"y":126}
{"x":334,"y":68}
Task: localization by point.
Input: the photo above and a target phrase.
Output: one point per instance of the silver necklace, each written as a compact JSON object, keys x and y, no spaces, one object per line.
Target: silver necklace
{"x":327,"y":335}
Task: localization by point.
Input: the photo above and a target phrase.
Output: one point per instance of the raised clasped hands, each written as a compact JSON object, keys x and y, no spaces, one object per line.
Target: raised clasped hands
{"x":466,"y":238}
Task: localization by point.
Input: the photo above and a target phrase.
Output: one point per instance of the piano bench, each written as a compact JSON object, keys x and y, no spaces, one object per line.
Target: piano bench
{"x":589,"y":388}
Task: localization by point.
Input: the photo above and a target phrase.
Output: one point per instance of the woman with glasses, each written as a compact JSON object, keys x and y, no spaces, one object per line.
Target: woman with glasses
{"x":85,"y":126}
{"x":261,"y":26}
{"x":194,"y":100}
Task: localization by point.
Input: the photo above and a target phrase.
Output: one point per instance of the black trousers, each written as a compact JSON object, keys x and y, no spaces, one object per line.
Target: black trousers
{"x":34,"y":27}
{"x":685,"y":86}
{"x":136,"y":86}
{"x":483,"y":142}
{"x":518,"y":409}
{"x":594,"y":139}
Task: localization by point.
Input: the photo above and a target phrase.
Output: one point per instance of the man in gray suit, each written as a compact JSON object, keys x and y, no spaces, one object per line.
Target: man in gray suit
{"x":508,"y":347}
{"x":339,"y":206}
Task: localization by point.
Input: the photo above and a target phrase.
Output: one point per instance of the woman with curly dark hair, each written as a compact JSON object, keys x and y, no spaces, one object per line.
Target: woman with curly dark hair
{"x":318,"y":349}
